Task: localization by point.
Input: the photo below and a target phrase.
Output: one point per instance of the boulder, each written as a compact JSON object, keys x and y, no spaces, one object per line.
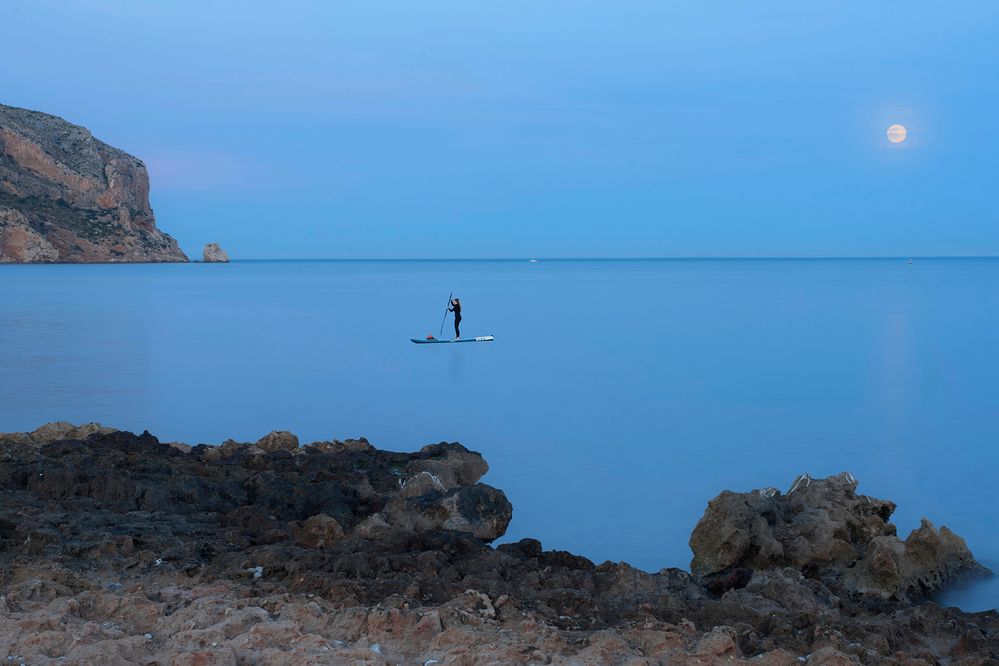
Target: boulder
{"x":450,"y":463}
{"x":317,"y":531}
{"x":824,"y":529}
{"x":480,"y":510}
{"x":278,"y":440}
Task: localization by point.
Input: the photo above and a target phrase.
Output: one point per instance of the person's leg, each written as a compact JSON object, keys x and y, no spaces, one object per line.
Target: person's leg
{"x":457,"y":322}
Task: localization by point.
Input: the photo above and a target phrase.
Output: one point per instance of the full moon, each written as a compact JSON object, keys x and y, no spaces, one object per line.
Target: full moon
{"x":896,"y":133}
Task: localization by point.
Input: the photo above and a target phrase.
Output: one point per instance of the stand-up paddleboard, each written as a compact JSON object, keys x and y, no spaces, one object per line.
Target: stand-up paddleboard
{"x":434,"y":341}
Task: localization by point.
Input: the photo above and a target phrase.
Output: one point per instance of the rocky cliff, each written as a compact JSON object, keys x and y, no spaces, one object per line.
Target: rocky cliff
{"x":116,"y":548}
{"x":68,"y":197}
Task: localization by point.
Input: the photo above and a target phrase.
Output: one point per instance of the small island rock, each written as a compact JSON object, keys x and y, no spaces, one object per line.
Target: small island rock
{"x":214,"y":254}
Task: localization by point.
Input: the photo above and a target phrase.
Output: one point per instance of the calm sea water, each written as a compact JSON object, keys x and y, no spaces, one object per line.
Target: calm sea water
{"x":617,"y":399}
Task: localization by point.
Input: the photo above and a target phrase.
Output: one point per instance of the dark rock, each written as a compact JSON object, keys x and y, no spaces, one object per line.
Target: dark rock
{"x":51,"y":432}
{"x":318,"y":531}
{"x":278,"y":440}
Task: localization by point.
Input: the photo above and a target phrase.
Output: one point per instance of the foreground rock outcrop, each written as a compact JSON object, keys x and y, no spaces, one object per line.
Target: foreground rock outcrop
{"x":116,"y":548}
{"x":68,"y":197}
{"x":824,"y":528}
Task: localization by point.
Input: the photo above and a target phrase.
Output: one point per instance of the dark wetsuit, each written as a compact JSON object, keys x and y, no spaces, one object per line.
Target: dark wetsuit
{"x":456,"y":309}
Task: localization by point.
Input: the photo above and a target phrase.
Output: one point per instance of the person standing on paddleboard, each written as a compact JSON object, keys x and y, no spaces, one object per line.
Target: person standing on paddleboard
{"x":456,"y":309}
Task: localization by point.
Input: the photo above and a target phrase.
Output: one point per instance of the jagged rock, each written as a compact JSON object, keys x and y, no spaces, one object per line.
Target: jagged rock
{"x":450,"y":464}
{"x":214,"y":254}
{"x":53,"y":431}
{"x":68,"y":197}
{"x":278,"y":440}
{"x":919,"y":566}
{"x":20,"y":243}
{"x":421,"y":484}
{"x":824,"y":529}
{"x":229,"y":447}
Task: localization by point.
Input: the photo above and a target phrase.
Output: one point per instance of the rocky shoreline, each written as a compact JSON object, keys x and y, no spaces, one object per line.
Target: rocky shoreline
{"x":116,"y":548}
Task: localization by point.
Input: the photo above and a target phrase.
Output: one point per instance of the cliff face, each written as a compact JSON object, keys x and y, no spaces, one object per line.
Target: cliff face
{"x":68,"y":197}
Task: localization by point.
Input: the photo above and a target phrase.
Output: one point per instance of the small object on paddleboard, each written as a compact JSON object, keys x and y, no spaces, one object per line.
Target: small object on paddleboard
{"x":430,"y":340}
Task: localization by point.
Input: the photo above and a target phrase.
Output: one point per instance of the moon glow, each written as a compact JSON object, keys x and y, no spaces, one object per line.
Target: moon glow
{"x":896,"y":133}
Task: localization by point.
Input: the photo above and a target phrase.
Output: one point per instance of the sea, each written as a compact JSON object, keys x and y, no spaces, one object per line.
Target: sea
{"x":618,"y":397}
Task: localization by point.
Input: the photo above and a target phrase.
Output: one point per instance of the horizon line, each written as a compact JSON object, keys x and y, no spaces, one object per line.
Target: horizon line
{"x":539,"y":259}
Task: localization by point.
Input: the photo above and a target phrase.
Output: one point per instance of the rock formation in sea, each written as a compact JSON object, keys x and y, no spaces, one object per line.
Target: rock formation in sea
{"x":823,"y":527}
{"x":68,"y":197}
{"x":116,"y":548}
{"x":214,"y":254}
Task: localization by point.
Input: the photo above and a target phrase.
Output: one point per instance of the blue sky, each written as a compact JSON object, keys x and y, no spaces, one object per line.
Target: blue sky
{"x":557,"y":129}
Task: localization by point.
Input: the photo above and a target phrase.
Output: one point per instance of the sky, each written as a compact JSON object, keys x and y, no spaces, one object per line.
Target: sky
{"x":374,"y":129}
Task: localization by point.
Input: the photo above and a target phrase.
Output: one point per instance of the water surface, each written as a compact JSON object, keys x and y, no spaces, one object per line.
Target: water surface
{"x":618,"y":398}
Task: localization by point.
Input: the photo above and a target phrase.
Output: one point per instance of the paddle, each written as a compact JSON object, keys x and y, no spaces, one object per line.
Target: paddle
{"x":446,"y":308}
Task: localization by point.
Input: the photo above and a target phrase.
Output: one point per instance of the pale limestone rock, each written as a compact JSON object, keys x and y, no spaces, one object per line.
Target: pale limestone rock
{"x":214,"y":254}
{"x":19,"y":243}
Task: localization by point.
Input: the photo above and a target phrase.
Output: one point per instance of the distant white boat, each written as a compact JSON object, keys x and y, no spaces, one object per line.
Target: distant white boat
{"x":533,"y":261}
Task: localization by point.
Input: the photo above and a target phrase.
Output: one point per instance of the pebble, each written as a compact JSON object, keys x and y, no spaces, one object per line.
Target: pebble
{"x":148,"y":637}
